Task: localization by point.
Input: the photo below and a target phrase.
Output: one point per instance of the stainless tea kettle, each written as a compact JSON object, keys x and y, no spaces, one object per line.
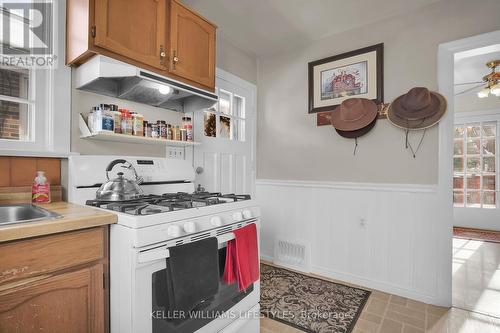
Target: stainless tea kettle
{"x":120,"y":188}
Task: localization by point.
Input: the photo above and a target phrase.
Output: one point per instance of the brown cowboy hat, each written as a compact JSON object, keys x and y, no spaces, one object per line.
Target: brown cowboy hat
{"x":357,"y":133}
{"x":419,"y":108}
{"x":354,"y":114}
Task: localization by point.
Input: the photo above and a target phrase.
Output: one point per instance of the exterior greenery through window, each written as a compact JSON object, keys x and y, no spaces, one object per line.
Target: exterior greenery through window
{"x":474,"y":165}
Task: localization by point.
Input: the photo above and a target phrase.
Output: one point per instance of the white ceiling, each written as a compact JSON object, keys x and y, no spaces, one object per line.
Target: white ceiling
{"x":263,"y":27}
{"x":471,"y":68}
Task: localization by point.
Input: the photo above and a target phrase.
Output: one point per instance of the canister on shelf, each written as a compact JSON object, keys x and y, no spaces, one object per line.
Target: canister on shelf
{"x":169,"y":132}
{"x":189,"y":132}
{"x":177,"y":133}
{"x":126,"y":122}
{"x":183,"y":134}
{"x":162,"y":128}
{"x":154,"y":131}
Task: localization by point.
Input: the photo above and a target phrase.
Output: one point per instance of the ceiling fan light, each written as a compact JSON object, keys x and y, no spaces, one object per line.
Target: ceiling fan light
{"x":483,"y":93}
{"x":495,"y":90}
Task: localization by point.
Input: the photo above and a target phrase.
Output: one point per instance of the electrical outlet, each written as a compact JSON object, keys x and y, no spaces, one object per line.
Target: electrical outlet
{"x":175,"y":153}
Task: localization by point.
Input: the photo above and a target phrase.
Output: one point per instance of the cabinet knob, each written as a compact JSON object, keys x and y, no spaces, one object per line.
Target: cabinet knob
{"x":175,"y":59}
{"x":163,"y":54}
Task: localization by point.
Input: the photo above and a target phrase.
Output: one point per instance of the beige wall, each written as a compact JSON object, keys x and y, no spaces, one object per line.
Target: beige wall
{"x":235,"y":60}
{"x":290,"y":146}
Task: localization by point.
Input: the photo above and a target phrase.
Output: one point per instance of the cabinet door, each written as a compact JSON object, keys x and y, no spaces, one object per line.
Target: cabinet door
{"x":192,"y":44}
{"x":68,"y":302}
{"x":135,"y":29}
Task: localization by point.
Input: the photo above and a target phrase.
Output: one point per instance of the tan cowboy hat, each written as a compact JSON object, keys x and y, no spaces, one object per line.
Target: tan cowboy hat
{"x":354,"y":114}
{"x":418,"y":109}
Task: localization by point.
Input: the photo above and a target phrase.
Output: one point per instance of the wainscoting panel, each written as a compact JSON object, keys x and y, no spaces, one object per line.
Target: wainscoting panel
{"x":376,"y":235}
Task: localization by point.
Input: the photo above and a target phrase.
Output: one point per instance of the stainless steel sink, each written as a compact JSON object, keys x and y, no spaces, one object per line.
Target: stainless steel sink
{"x":23,"y":213}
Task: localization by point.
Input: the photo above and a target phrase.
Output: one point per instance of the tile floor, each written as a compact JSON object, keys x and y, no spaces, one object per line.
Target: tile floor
{"x":476,"y":276}
{"x":385,"y":313}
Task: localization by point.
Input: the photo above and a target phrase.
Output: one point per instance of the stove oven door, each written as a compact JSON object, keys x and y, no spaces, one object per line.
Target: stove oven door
{"x":228,"y":308}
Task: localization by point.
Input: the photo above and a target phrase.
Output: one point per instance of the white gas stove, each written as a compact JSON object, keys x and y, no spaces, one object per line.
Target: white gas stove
{"x":171,"y":213}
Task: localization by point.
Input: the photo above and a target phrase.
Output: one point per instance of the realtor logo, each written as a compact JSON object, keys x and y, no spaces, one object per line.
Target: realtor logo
{"x":27,"y":29}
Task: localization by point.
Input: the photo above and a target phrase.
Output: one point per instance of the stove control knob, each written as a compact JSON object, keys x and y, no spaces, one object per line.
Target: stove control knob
{"x":216,"y":221}
{"x":247,"y":214}
{"x":237,"y":216}
{"x":189,"y":227}
{"x":174,"y":231}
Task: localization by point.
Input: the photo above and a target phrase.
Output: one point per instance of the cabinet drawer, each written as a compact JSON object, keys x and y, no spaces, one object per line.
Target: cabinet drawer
{"x":43,"y":255}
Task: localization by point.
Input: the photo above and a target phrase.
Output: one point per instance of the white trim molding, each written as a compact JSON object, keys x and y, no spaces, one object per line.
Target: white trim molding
{"x":408,"y":188}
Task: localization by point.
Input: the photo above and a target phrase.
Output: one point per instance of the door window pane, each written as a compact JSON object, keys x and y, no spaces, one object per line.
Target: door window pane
{"x":474,"y":182}
{"x":489,"y":183}
{"x":239,"y":106}
{"x":458,"y":164}
{"x":458,"y":182}
{"x":488,"y":146}
{"x":458,"y":147}
{"x":489,"y":164}
{"x":473,"y":131}
{"x":458,"y":198}
{"x":210,"y":124}
{"x":473,"y":165}
{"x":473,"y":199}
{"x":224,"y":102}
{"x":225,"y":127}
{"x":458,"y":132}
{"x":489,"y":199}
{"x":489,"y":130}
{"x":473,"y":146}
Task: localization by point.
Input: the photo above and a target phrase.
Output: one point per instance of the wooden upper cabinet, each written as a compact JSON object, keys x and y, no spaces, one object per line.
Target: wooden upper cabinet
{"x":135,"y":29}
{"x":162,"y":36}
{"x":192,"y":45}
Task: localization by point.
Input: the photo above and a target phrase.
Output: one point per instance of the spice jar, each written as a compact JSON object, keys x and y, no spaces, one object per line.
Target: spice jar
{"x":177,"y":133}
{"x":126,"y":122}
{"x":169,"y":132}
{"x":137,"y":124}
{"x":162,"y":128}
{"x":189,"y":132}
{"x":154,"y":131}
{"x":183,"y":134}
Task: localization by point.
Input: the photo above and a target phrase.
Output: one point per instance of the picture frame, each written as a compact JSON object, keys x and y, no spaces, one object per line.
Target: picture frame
{"x":358,"y":73}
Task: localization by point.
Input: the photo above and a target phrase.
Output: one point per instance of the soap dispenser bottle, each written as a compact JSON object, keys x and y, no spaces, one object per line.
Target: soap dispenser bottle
{"x":40,"y":189}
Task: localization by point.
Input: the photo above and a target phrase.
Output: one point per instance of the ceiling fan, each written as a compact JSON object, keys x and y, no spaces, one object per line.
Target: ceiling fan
{"x":492,"y":81}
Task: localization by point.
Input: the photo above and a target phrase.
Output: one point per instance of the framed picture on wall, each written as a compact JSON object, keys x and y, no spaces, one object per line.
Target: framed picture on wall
{"x":358,"y":73}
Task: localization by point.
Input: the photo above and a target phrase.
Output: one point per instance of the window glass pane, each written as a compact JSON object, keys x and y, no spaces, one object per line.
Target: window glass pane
{"x":473,"y":146}
{"x":489,"y":199}
{"x":473,"y":165}
{"x":14,"y":82}
{"x":239,"y":106}
{"x":225,"y":127}
{"x":458,"y":198}
{"x":489,"y":129}
{"x":489,"y":164}
{"x":488,"y":146}
{"x":473,"y":199}
{"x":489,"y":183}
{"x":234,"y":129}
{"x":14,"y":121}
{"x":458,"y":182}
{"x":459,"y":132}
{"x":458,"y":164}
{"x":473,"y":182}
{"x":224,"y":102}
{"x":473,"y":131}
{"x":458,"y":148}
{"x":210,"y":124}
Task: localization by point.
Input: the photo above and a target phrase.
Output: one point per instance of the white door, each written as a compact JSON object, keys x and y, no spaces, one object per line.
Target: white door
{"x":225,"y":160}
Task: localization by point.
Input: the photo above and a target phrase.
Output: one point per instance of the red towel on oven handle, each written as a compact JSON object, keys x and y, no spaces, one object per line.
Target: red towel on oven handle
{"x":242,"y":260}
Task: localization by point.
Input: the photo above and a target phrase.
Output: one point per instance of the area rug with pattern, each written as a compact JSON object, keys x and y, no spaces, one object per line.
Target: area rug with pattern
{"x":308,"y":303}
{"x":477,"y":234}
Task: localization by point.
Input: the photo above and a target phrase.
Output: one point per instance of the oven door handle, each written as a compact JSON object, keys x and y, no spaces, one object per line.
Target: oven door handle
{"x":164,"y":253}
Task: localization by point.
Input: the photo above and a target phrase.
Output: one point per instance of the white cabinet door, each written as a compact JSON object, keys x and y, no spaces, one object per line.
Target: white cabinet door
{"x":225,"y":159}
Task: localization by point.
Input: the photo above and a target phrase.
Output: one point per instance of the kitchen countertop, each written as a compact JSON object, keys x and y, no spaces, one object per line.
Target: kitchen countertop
{"x":74,"y":217}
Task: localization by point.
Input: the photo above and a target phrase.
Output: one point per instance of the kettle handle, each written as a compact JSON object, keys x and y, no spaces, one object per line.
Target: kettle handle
{"x":128,"y":166}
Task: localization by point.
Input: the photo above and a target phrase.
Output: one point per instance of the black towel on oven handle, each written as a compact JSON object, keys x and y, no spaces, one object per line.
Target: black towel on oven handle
{"x":192,"y":274}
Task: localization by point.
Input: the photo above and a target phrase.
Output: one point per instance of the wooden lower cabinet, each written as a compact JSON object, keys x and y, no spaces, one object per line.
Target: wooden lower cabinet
{"x":74,"y":299}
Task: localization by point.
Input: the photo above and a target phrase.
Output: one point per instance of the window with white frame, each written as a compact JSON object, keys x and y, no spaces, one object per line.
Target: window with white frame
{"x":226,"y":119}
{"x":16,"y":104}
{"x":475,"y":164}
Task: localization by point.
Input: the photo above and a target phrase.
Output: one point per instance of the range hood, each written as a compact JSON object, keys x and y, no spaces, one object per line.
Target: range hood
{"x":105,"y":76}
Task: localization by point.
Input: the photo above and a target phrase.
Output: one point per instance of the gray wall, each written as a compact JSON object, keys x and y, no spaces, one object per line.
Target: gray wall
{"x":235,"y":60}
{"x":290,"y":146}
